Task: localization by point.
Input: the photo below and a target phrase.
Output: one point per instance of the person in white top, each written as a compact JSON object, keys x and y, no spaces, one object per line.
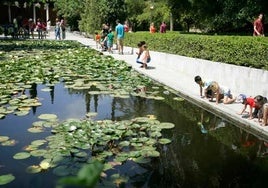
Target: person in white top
{"x":222,"y":92}
{"x":144,"y":56}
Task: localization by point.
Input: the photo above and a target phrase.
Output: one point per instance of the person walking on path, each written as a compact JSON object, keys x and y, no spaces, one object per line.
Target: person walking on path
{"x":57,"y":29}
{"x":63,"y":28}
{"x":31,"y":27}
{"x":152,"y":28}
{"x":39,"y":28}
{"x":258,"y":26}
{"x":163,"y":27}
{"x":110,"y":41}
{"x":120,"y":34}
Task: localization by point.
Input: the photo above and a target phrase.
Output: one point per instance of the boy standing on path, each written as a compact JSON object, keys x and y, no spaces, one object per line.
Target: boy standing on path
{"x":120,"y":33}
{"x":110,"y":41}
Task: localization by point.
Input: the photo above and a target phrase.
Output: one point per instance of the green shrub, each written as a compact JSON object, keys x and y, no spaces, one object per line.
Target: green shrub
{"x":238,"y":50}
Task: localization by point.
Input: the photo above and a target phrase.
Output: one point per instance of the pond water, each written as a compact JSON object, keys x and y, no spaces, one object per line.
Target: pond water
{"x":206,"y":151}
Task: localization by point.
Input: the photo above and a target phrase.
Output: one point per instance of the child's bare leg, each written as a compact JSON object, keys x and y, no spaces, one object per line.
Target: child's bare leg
{"x":228,"y":100}
{"x":265,"y":114}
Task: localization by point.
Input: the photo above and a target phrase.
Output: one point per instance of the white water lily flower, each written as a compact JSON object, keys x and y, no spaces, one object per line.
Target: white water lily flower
{"x":72,"y":128}
{"x":44,"y":165}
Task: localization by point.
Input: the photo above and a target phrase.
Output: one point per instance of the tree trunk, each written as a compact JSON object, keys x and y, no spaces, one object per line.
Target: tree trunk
{"x":171,"y":22}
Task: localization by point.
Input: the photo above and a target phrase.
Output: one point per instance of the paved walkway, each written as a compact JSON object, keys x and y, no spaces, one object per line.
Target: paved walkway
{"x":168,"y":71}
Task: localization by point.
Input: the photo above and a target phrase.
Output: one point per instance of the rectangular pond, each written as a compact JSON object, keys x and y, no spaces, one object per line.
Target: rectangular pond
{"x":104,"y":110}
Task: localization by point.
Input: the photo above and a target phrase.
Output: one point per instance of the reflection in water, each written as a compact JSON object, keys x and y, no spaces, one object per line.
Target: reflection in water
{"x":52,"y":93}
{"x":33,"y":95}
{"x":88,"y":102}
{"x":224,"y":156}
{"x":96,"y":98}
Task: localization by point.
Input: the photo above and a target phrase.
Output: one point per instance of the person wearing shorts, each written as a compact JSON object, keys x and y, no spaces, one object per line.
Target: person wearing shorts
{"x":222,"y":91}
{"x":120,"y":33}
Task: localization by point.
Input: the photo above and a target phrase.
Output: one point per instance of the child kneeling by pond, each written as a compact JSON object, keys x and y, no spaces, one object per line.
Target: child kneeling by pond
{"x":143,"y":55}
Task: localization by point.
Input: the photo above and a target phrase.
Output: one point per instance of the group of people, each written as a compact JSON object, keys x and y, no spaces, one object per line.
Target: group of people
{"x":105,"y":39}
{"x":258,"y":105}
{"x":24,"y":28}
{"x":162,"y":29}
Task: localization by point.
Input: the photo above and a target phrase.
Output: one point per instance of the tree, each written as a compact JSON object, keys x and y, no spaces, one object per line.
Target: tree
{"x":207,"y":15}
{"x":70,"y":10}
{"x":97,"y":12}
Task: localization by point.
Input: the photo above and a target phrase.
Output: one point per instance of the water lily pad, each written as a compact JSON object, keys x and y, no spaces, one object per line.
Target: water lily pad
{"x":178,"y":99}
{"x":81,"y":154}
{"x":124,"y":143}
{"x":94,"y":92}
{"x":47,"y":116}
{"x":150,"y":153}
{"x":166,"y":125}
{"x":91,"y":114}
{"x":23,"y":97}
{"x":142,"y":160}
{"x":158,"y":98}
{"x":3,"y":138}
{"x":156,"y":134}
{"x":9,"y":143}
{"x":12,"y":108}
{"x":46,"y":89}
{"x":62,"y":171}
{"x":5,"y":179}
{"x":38,"y":142}
{"x":21,"y":113}
{"x":38,"y":153}
{"x":33,"y":169}
{"x":22,"y":155}
{"x":38,"y":123}
{"x":164,"y":141}
{"x":36,"y":130}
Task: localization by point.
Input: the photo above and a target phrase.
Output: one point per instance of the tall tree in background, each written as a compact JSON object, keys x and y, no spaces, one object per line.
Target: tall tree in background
{"x":70,"y":10}
{"x":206,"y":15}
{"x":97,"y":12}
{"x":90,"y":17}
{"x":133,"y":9}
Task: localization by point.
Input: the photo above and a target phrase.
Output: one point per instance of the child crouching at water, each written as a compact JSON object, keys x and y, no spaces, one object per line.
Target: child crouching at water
{"x":262,"y":104}
{"x":143,"y":55}
{"x":247,"y":101}
{"x":204,"y":84}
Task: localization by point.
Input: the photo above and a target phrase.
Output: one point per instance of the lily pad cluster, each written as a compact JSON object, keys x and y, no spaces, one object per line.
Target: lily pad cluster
{"x":6,"y":141}
{"x":75,"y":142}
{"x":25,"y":64}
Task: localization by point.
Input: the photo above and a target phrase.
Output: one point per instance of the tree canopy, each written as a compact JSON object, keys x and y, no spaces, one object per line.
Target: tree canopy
{"x":206,"y":15}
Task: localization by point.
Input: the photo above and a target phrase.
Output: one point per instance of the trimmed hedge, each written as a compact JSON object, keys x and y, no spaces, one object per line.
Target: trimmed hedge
{"x":238,"y":50}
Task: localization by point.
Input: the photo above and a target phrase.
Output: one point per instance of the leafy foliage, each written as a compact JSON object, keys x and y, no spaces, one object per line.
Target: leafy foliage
{"x":207,"y":15}
{"x":237,"y":50}
{"x":87,"y":176}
